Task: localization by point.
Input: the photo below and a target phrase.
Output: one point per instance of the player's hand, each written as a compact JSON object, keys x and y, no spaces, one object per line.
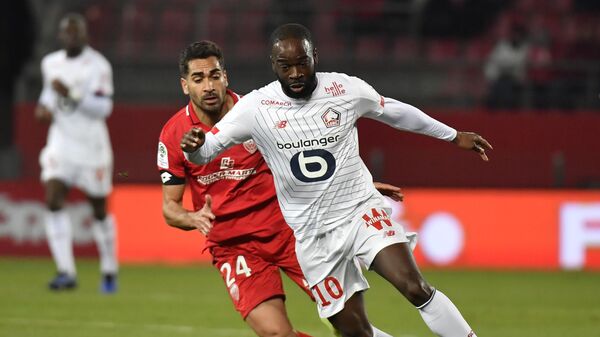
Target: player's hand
{"x":192,"y":140}
{"x":203,"y":218}
{"x":42,"y":114}
{"x":472,"y":141}
{"x":60,"y":88}
{"x":390,"y":191}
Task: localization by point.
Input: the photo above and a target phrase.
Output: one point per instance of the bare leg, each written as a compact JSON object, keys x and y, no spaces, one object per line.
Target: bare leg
{"x":396,"y":264}
{"x":269,"y":319}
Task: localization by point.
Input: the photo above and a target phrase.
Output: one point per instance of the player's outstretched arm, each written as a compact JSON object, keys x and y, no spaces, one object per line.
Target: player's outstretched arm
{"x":200,"y":148}
{"x":192,"y":140}
{"x":472,"y":141}
{"x":391,"y":191}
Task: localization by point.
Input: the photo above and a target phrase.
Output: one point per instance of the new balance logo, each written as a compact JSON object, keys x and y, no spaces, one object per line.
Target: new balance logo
{"x":377,"y":219}
{"x":280,"y":124}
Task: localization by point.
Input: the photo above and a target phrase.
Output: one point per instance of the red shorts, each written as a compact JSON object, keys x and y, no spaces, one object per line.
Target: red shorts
{"x":250,"y":269}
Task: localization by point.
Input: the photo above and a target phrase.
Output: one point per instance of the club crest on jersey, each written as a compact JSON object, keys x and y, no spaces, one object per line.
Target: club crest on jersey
{"x":377,"y":219}
{"x":250,"y":146}
{"x":331,"y":118}
{"x":162,"y":157}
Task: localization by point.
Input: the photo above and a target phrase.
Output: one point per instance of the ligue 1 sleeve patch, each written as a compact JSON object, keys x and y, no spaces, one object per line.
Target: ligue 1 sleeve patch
{"x":381,"y":101}
{"x":162,"y":158}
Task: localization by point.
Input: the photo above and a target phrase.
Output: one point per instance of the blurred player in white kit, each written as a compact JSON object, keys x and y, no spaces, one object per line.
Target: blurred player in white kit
{"x":76,"y":99}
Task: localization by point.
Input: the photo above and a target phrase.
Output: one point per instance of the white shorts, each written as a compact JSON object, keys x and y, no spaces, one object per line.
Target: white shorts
{"x":94,"y":181}
{"x":332,"y":262}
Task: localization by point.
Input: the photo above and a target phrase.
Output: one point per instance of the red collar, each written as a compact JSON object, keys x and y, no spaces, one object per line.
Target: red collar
{"x":191,"y":112}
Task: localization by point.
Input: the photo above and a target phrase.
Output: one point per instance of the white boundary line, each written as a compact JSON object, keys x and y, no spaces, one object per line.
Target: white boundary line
{"x":180,"y":329}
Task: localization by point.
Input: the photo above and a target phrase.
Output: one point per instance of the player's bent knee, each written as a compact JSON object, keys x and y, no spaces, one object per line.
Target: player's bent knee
{"x":273,"y":330}
{"x":269,"y":320}
{"x":353,"y":326}
{"x":418,"y":292}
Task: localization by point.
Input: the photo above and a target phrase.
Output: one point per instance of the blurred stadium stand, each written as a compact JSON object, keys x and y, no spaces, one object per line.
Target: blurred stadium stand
{"x":427,"y":53}
{"x":440,"y":44}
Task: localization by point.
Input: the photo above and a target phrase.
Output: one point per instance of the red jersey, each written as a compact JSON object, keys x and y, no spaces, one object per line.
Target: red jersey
{"x":239,"y":181}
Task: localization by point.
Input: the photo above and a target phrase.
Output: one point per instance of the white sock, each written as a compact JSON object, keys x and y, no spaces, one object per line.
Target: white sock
{"x":105,"y":236}
{"x":58,"y":233}
{"x":379,"y":333}
{"x":443,"y":318}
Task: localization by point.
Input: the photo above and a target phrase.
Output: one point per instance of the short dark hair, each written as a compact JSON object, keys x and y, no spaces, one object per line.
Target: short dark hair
{"x":199,"y":50}
{"x":291,"y":30}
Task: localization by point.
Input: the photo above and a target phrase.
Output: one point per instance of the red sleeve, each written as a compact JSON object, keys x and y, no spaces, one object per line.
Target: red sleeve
{"x":170,"y":156}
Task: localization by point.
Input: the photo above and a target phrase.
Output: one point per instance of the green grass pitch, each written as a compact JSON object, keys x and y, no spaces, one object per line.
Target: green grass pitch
{"x":181,"y":301}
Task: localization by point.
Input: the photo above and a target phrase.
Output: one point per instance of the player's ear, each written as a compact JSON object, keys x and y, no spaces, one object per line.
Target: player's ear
{"x":225,"y":80}
{"x":184,"y":86}
{"x":315,"y":55}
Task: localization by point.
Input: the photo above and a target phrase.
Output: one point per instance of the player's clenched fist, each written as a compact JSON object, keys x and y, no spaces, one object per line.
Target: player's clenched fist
{"x":192,"y":140}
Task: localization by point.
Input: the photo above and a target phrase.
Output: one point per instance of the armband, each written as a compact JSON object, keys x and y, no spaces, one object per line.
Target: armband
{"x":169,"y":179}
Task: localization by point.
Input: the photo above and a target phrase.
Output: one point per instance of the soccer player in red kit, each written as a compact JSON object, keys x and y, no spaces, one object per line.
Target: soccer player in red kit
{"x":247,"y":237}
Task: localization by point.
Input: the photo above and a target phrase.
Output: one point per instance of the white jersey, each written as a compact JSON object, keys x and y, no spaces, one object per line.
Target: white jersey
{"x":78,"y":132}
{"x":311,"y":145}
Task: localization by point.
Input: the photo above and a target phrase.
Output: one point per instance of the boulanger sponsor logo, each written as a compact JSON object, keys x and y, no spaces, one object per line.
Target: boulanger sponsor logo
{"x":225,"y":175}
{"x":272,"y":102}
{"x":315,"y":142}
{"x":162,"y":158}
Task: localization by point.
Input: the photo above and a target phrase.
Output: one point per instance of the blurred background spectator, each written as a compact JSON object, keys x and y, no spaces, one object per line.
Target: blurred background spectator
{"x":453,"y":58}
{"x":505,"y":70}
{"x":440,"y":47}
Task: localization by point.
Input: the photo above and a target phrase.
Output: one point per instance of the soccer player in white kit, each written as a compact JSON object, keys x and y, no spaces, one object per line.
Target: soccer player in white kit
{"x":304,"y":125}
{"x":76,"y":99}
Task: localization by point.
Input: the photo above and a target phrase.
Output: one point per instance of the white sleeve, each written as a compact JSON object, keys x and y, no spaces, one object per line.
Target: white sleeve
{"x":97,"y":102}
{"x":369,"y":100}
{"x":48,"y":97}
{"x":406,"y":117}
{"x":96,"y":106}
{"x":235,"y":128}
